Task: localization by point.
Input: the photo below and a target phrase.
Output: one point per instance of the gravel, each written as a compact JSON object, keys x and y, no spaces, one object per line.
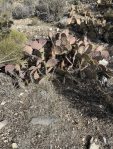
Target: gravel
{"x":53,"y":115}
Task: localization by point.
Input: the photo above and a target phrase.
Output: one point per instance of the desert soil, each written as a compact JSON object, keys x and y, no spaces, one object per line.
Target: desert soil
{"x":53,"y":115}
{"x":33,"y":27}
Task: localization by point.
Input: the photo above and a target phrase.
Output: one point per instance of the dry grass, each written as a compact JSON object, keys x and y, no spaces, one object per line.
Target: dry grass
{"x":12,"y":45}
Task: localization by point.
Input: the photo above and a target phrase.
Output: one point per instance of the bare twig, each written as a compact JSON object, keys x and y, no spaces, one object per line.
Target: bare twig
{"x":7,"y":55}
{"x":13,"y":59}
{"x":68,"y":60}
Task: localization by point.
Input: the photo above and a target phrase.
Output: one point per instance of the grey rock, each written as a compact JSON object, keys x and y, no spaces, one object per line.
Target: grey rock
{"x":3,"y":124}
{"x":43,"y":120}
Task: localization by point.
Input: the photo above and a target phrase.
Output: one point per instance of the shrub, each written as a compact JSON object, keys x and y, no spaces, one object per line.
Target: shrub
{"x":21,"y":11}
{"x":5,"y":25}
{"x":13,"y":43}
{"x":51,"y":10}
{"x":5,"y":7}
{"x":31,"y":2}
{"x":74,"y":2}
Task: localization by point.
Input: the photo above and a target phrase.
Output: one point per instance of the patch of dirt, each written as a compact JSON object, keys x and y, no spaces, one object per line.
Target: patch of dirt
{"x":79,"y":111}
{"x":32,"y":27}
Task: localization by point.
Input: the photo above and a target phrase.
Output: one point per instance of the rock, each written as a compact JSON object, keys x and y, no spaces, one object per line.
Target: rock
{"x":5,"y":141}
{"x":94,"y":119}
{"x":104,"y":139}
{"x":43,"y":120}
{"x":21,"y":94}
{"x":14,"y":146}
{"x":62,"y":22}
{"x":104,"y":81}
{"x":103,"y":62}
{"x":98,"y":143}
{"x":94,"y":146}
{"x":3,"y":124}
{"x":3,"y":103}
{"x":86,"y":141}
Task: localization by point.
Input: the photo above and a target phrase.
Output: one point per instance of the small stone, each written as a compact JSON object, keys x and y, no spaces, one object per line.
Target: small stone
{"x":83,"y":139}
{"x":89,"y":122}
{"x":5,"y":141}
{"x":16,"y":114}
{"x":105,"y":141}
{"x":3,"y":103}
{"x":94,"y":143}
{"x":94,"y":119}
{"x":26,"y":91}
{"x":58,"y":29}
{"x":101,"y":106}
{"x":21,"y":94}
{"x":94,"y":146}
{"x":3,"y":124}
{"x":103,"y":62}
{"x":14,"y":146}
{"x":50,"y":28}
{"x":104,"y":81}
{"x":43,"y":120}
{"x":39,"y":136}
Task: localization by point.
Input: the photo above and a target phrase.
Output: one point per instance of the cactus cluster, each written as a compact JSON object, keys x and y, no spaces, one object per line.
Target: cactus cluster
{"x":96,"y":26}
{"x":60,"y":52}
{"x":65,"y":53}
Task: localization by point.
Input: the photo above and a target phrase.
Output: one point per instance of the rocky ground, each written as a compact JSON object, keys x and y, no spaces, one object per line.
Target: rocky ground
{"x":33,"y":27}
{"x":54,"y":116}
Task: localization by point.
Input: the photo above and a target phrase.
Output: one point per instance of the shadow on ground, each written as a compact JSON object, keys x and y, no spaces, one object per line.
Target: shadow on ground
{"x":88,"y":98}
